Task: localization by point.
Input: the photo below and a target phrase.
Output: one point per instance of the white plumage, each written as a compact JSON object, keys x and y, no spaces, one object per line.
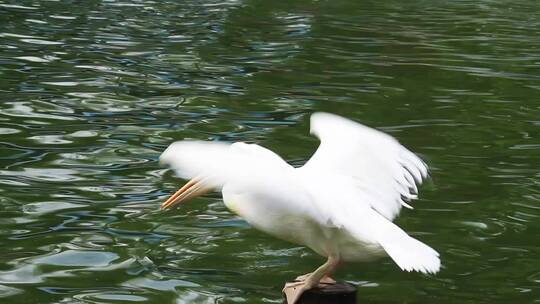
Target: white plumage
{"x":341,"y":203}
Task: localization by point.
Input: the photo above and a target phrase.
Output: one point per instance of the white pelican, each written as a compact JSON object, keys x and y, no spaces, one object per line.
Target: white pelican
{"x":340,"y":204}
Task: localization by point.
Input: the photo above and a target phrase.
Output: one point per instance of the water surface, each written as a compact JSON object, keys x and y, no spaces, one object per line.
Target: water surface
{"x":91,"y":93}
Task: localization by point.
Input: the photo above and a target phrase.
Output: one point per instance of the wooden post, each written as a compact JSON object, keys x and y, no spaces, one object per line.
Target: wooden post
{"x":338,"y":293}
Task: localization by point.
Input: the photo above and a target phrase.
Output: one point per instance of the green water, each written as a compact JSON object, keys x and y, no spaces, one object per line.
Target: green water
{"x":91,"y":92}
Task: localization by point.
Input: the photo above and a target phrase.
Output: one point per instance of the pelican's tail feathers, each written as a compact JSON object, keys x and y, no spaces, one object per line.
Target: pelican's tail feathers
{"x":412,"y":255}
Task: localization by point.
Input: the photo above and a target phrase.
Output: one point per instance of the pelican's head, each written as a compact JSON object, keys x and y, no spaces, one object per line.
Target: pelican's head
{"x":195,"y":187}
{"x":207,"y":164}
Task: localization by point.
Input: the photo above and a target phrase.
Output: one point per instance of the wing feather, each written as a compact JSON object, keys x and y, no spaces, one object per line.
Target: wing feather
{"x":220,"y":162}
{"x":383,"y":169}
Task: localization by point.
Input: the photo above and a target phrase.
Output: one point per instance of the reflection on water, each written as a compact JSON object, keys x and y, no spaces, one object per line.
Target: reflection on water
{"x":92,"y":94}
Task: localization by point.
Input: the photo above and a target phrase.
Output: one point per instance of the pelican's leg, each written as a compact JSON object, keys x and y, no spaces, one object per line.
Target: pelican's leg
{"x":294,"y":290}
{"x":327,"y":279}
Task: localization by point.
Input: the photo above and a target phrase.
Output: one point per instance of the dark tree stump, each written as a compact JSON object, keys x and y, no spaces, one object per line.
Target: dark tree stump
{"x":338,"y":293}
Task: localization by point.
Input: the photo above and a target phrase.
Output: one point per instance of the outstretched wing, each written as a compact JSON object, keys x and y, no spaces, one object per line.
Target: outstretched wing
{"x":385,"y":171}
{"x":219,"y":163}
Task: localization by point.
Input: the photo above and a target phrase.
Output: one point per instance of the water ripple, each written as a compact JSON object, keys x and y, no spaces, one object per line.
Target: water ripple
{"x":90,"y":98}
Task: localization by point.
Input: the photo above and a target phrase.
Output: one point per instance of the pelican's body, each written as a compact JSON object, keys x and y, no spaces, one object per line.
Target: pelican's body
{"x":341,"y":203}
{"x":275,"y":216}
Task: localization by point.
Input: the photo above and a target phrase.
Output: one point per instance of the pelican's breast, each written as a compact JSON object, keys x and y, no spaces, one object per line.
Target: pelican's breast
{"x":275,"y":218}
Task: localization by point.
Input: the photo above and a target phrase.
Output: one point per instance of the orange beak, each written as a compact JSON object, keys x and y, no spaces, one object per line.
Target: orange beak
{"x":195,"y":187}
